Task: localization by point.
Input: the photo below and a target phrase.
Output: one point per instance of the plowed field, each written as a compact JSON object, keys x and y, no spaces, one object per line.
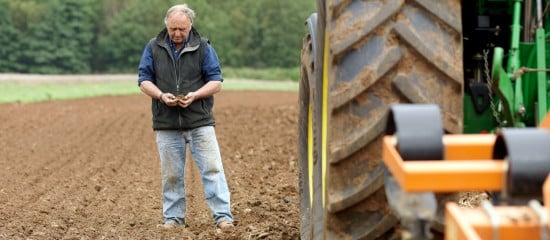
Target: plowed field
{"x":89,"y":169}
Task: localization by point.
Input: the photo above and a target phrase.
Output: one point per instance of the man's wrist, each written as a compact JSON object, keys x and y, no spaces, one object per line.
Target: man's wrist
{"x":160,"y":97}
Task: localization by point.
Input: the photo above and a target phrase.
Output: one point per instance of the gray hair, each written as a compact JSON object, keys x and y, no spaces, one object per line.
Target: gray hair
{"x":180,"y":8}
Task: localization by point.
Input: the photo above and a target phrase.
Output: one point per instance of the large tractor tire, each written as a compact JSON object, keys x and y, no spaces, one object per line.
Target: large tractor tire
{"x":360,"y":57}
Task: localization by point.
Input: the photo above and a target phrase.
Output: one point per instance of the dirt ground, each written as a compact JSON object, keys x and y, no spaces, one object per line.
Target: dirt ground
{"x":89,"y":169}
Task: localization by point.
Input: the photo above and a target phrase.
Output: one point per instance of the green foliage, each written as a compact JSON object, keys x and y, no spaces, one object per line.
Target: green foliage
{"x":9,"y":39}
{"x":26,"y":13}
{"x":127,"y":33}
{"x":83,"y":36}
{"x":254,"y":33}
{"x":62,"y":42}
{"x":277,"y":22}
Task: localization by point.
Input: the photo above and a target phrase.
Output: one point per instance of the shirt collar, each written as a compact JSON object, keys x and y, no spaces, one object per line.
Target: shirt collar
{"x":173,"y":46}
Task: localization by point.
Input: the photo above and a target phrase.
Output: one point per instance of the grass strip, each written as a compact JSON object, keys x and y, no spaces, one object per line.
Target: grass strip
{"x":35,"y":92}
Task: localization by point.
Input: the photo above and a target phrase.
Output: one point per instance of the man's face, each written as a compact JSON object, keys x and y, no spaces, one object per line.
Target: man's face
{"x":178,"y":25}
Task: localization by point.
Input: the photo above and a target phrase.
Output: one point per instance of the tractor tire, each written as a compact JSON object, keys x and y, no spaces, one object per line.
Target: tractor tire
{"x":376,"y":53}
{"x":304,"y":133}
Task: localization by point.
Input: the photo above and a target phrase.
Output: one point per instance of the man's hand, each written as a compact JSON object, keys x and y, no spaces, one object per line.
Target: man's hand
{"x":149,"y":88}
{"x":187,"y":100}
{"x":169,"y":99}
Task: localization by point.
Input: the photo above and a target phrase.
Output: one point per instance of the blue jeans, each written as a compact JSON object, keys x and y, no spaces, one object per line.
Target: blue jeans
{"x":206,"y":153}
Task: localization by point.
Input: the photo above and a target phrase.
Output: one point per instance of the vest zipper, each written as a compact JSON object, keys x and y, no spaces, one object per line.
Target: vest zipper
{"x":175,"y":59}
{"x":180,"y":120}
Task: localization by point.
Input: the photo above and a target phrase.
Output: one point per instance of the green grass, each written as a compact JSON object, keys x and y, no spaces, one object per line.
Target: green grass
{"x":35,"y":92}
{"x":264,"y":85}
{"x":277,"y":74}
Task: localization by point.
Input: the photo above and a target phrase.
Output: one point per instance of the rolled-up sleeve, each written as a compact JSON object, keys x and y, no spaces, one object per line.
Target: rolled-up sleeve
{"x":211,"y":65}
{"x":146,"y":69}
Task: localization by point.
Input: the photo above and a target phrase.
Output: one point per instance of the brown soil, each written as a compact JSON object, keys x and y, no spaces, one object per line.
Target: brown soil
{"x":89,"y":169}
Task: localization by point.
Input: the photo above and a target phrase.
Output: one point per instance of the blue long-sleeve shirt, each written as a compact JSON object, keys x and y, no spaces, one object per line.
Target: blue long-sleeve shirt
{"x":210,"y":66}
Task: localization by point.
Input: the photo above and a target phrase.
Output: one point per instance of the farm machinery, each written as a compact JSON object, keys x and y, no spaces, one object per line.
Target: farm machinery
{"x":513,"y":165}
{"x":482,"y":63}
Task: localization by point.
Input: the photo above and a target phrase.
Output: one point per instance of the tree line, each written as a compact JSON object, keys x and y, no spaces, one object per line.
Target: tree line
{"x":105,"y":36}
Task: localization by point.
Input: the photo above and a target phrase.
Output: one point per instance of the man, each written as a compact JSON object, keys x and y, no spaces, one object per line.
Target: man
{"x":181,"y":73}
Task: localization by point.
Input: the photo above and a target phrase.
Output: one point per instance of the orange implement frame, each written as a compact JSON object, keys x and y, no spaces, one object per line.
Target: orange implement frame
{"x":512,"y":222}
{"x":468,"y":167}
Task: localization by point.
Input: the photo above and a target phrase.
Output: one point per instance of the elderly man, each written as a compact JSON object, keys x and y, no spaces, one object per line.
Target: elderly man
{"x":180,"y":71}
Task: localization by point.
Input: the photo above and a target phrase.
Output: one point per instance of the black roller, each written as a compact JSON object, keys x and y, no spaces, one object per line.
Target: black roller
{"x":419,"y":131}
{"x":527,"y":151}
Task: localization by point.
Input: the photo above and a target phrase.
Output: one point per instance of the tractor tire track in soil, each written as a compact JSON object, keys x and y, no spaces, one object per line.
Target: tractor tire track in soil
{"x":89,"y":169}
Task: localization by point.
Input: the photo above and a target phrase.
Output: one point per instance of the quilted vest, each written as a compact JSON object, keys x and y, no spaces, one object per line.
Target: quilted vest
{"x":179,"y":75}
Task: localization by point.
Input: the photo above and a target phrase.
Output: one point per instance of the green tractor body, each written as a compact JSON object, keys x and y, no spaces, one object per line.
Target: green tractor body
{"x":504,"y":88}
